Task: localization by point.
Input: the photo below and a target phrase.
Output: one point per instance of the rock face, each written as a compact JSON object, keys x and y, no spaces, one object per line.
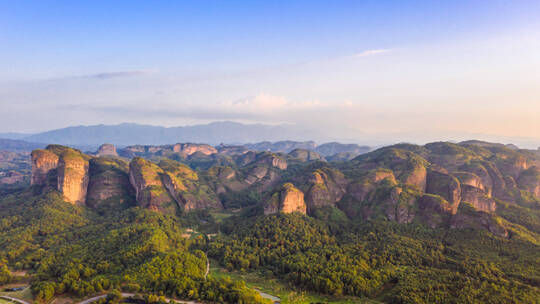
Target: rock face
{"x":407,"y":166}
{"x":43,"y":162}
{"x":479,"y":170}
{"x":261,"y":158}
{"x":434,"y":210}
{"x":73,"y":176}
{"x":107,"y":150}
{"x":190,"y":148}
{"x":305,"y":155}
{"x":109,"y":180}
{"x":287,"y":200}
{"x":325,"y":188}
{"x":272,"y":160}
{"x":530,"y":180}
{"x":150,"y":192}
{"x":467,"y":217}
{"x":445,"y":185}
{"x":186,"y":188}
{"x":225,"y":179}
{"x":471,"y":179}
{"x":63,"y":169}
{"x":477,"y":198}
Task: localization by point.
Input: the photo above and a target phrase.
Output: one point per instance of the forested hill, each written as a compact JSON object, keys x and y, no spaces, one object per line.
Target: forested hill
{"x":440,"y":223}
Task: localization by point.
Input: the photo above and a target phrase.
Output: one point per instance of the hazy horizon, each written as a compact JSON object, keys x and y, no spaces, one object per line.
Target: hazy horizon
{"x":319,"y":137}
{"x":392,"y":71}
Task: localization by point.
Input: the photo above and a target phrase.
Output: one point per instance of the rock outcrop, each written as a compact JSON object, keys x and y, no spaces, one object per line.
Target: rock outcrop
{"x":477,"y":198}
{"x":469,"y":178}
{"x":186,"y":188}
{"x":479,"y":170}
{"x":434,"y":210}
{"x":190,"y":148}
{"x":109,"y":181}
{"x":325,"y":187}
{"x":304,"y":155}
{"x":445,"y":185}
{"x":288,"y":199}
{"x":150,"y":191}
{"x":106,"y":150}
{"x":73,"y":176}
{"x":408,"y":167}
{"x":43,"y":162}
{"x":530,"y":180}
{"x":63,"y":169}
{"x":273,"y":160}
{"x":468,"y":217}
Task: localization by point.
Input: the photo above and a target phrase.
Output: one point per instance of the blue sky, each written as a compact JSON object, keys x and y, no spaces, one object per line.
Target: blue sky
{"x":183,"y":62}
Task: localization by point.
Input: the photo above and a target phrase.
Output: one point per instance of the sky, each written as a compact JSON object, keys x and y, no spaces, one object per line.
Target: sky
{"x":393,"y":71}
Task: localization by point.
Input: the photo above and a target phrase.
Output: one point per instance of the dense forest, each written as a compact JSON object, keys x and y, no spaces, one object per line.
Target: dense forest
{"x":393,"y":262}
{"x":80,"y":252}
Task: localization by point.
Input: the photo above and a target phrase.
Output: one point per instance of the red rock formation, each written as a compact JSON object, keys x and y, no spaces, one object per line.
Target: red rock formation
{"x":477,"y":198}
{"x":445,"y":185}
{"x":189,"y":148}
{"x":43,"y":162}
{"x":150,"y":192}
{"x":73,"y":177}
{"x":107,"y":150}
{"x":287,"y":200}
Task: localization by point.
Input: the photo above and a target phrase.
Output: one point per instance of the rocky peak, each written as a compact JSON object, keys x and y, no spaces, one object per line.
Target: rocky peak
{"x":325,"y":187}
{"x":64,"y":169}
{"x":107,"y":150}
{"x":190,"y":148}
{"x":287,"y":199}
{"x":271,"y":159}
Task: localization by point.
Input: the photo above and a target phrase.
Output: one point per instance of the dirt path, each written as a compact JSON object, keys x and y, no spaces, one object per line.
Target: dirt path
{"x":14,"y":300}
{"x":207,"y":267}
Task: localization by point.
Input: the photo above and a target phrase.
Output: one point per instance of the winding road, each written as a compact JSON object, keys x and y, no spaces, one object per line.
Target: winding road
{"x":14,"y":300}
{"x":127,"y":295}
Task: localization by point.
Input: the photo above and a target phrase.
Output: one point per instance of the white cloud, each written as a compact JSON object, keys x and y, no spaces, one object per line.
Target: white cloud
{"x":266,"y":103}
{"x":370,"y":53}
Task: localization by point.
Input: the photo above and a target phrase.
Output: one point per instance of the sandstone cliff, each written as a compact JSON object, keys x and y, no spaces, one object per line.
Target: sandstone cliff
{"x":109,"y":182}
{"x":73,"y":176}
{"x":324,"y":187}
{"x":43,"y":162}
{"x":190,"y":148}
{"x":185,"y":186}
{"x":150,"y":192}
{"x":107,"y":150}
{"x":304,"y":155}
{"x":529,"y":180}
{"x":63,"y":169}
{"x":445,"y":185}
{"x":287,"y":199}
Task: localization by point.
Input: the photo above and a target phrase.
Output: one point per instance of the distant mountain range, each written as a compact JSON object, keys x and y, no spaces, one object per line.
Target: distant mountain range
{"x":19,"y":145}
{"x":130,"y":134}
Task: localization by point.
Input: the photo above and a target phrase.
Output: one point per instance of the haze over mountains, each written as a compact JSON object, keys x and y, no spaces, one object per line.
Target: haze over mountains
{"x":130,"y":134}
{"x":221,"y":132}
